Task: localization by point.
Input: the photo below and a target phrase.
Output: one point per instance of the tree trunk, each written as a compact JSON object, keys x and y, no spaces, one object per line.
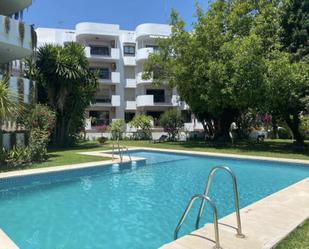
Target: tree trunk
{"x":228,"y":116}
{"x":275,"y":129}
{"x":294,"y":124}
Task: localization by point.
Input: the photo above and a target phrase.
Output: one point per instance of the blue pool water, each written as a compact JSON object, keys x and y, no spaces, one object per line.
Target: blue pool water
{"x":134,"y":207}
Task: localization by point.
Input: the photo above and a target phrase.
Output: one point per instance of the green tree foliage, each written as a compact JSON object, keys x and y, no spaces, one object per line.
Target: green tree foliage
{"x":295,"y":29}
{"x":66,"y":84}
{"x":288,"y":86}
{"x":117,"y":129}
{"x":143,"y":124}
{"x":223,"y":68}
{"x":172,"y":122}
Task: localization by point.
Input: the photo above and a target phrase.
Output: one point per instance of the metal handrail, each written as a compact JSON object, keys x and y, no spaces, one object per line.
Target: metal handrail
{"x":119,"y":150}
{"x":215,"y":217}
{"x":236,"y":199}
{"x":128,"y":153}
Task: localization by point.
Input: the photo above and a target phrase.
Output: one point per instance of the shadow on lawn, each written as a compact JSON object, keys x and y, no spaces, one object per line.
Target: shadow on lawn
{"x":282,"y":147}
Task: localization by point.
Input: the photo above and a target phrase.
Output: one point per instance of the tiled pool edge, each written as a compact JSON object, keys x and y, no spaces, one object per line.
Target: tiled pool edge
{"x":265,"y":222}
{"x":226,"y":155}
{"x":6,"y":242}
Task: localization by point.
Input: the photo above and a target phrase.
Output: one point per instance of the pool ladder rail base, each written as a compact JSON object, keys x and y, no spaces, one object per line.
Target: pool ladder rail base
{"x":120,"y":150}
{"x":205,"y":198}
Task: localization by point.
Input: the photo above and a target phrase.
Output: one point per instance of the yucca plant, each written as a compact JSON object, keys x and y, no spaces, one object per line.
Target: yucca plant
{"x":9,"y":106}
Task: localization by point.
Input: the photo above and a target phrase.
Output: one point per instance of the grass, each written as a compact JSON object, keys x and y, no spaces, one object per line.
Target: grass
{"x":299,"y":239}
{"x":269,"y":148}
{"x":66,"y":156}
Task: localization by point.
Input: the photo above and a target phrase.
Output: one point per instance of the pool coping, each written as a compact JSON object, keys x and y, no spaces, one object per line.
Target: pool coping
{"x":265,"y":222}
{"x":9,"y":244}
{"x":226,"y":155}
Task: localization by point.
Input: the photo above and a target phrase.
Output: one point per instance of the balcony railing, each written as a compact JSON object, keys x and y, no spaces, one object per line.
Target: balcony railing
{"x":100,"y":53}
{"x":103,"y":100}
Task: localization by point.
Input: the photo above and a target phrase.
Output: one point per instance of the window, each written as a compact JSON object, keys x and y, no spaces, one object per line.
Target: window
{"x":129,"y":50}
{"x":128,"y":116}
{"x":102,"y":73}
{"x":158,"y":95}
{"x":99,"y":118}
{"x":104,"y":51}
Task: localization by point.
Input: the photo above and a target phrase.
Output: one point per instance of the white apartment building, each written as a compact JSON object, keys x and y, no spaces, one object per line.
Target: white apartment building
{"x":119,"y":55}
{"x":17,"y":40}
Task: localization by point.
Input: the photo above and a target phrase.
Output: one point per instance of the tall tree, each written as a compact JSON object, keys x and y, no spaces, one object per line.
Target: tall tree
{"x":217,"y":68}
{"x":63,"y":75}
{"x":295,"y":29}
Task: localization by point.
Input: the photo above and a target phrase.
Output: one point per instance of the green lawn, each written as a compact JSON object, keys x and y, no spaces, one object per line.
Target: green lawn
{"x":269,"y":148}
{"x":66,"y":156}
{"x":299,"y":239}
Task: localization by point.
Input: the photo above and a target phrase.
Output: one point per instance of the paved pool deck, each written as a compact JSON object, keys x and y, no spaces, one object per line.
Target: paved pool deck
{"x":265,"y":223}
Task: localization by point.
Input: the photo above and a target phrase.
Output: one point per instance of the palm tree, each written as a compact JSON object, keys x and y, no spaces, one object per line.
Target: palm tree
{"x":66,"y":84}
{"x":10,"y":107}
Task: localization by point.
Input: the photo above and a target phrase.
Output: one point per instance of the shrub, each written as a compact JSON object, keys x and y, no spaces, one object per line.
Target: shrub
{"x":172,"y":122}
{"x":38,"y":145}
{"x":143,"y":124}
{"x":39,"y":117}
{"x":102,"y":140}
{"x":101,"y":129}
{"x":116,"y":129}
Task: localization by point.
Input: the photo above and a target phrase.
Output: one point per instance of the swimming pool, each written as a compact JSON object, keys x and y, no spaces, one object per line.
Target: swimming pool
{"x":131,"y":206}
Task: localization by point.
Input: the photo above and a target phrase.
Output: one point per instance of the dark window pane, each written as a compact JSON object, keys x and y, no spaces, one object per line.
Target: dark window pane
{"x":105,"y":51}
{"x":129,"y":50}
{"x":128,"y":116}
{"x":158,"y":95}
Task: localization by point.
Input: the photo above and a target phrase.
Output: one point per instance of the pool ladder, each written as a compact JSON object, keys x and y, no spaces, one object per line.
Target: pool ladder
{"x":120,"y":151}
{"x":205,"y":198}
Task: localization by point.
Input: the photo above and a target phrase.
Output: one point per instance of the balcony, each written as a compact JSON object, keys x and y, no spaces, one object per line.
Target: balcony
{"x":140,"y":80}
{"x":143,"y":54}
{"x":9,"y":7}
{"x":129,"y":61}
{"x":89,"y":31}
{"x":109,"y":78}
{"x":15,"y":41}
{"x":107,"y":101}
{"x":130,"y":83}
{"x":110,"y":55}
{"x":130,"y":105}
{"x":144,"y":100}
{"x":157,"y":100}
{"x":149,"y":30}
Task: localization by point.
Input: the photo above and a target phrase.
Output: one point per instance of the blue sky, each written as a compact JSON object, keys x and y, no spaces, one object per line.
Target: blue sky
{"x":127,"y":13}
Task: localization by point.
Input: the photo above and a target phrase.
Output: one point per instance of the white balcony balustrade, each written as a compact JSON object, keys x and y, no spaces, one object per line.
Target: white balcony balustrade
{"x":143,"y":54}
{"x":130,"y":105}
{"x":130,"y":83}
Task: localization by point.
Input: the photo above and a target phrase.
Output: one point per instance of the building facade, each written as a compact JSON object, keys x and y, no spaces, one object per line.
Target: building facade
{"x":17,"y":40}
{"x":119,"y":56}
